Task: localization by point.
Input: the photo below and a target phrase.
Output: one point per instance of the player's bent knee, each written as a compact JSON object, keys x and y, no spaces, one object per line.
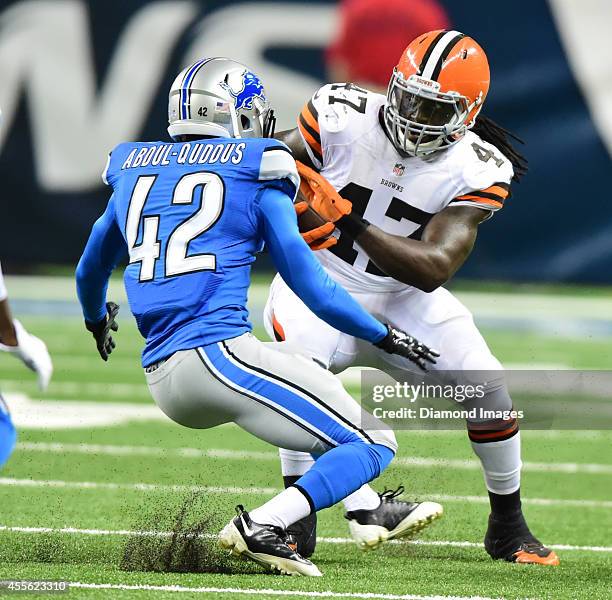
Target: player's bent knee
{"x":384,"y":437}
{"x":381,"y":458}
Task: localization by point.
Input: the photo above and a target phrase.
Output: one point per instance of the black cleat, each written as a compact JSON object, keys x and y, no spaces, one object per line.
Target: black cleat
{"x":393,"y":519}
{"x":264,"y":544}
{"x":510,"y":539}
{"x":302,"y":535}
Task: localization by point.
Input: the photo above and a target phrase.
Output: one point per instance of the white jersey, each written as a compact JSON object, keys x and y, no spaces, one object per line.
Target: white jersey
{"x":343,"y":134}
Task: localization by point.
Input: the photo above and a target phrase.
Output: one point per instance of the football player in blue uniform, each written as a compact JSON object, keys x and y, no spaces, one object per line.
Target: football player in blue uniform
{"x":15,"y":340}
{"x":192,"y":215}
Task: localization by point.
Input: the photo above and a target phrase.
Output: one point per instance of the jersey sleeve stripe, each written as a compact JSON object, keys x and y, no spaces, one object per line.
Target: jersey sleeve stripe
{"x":313,"y":145}
{"x":498,"y":192}
{"x":470,"y":199}
{"x":503,"y":185}
{"x":313,"y":111}
{"x":488,"y":195}
{"x":309,"y":121}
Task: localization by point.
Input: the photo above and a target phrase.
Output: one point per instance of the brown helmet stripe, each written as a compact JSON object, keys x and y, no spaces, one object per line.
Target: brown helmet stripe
{"x":429,"y":51}
{"x":444,"y":56}
{"x":436,"y":54}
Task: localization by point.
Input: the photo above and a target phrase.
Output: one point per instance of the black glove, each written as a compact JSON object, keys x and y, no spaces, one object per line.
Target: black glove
{"x":399,"y":342}
{"x":101,"y":330}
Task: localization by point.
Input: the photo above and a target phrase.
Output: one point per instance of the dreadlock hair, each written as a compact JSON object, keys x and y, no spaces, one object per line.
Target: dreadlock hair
{"x":493,"y":133}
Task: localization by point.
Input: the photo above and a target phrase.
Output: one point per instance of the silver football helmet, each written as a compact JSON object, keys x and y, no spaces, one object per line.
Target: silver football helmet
{"x":219,"y":97}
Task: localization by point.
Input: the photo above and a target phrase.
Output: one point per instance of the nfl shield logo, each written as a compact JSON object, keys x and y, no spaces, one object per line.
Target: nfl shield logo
{"x":398,"y":169}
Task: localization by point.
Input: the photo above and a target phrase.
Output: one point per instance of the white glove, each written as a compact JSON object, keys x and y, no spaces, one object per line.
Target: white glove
{"x":33,"y":352}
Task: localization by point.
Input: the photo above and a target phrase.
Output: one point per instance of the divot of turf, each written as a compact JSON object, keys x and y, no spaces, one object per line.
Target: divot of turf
{"x":191,"y":546}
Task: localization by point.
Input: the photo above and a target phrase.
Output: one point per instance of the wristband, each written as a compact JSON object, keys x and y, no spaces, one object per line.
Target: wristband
{"x":352,"y":224}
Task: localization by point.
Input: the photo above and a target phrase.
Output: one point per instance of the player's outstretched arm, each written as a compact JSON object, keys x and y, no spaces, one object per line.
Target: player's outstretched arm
{"x":15,"y":340}
{"x":327,"y":299}
{"x":104,"y":250}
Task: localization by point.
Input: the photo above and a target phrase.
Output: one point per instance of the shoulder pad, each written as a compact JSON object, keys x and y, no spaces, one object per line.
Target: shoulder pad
{"x":116,"y":158}
{"x":329,"y":118}
{"x":277,"y":164}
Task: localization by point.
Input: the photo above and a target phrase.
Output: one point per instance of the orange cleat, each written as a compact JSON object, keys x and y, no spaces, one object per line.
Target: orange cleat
{"x":536,"y":553}
{"x":508,"y":538}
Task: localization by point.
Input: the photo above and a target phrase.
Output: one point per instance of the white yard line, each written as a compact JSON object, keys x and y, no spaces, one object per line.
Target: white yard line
{"x":158,"y":487}
{"x":267,"y":592}
{"x":474,"y":465}
{"x":408,"y":462}
{"x":111,"y":450}
{"x":81,"y":388}
{"x":323,"y":540}
{"x":139,"y":487}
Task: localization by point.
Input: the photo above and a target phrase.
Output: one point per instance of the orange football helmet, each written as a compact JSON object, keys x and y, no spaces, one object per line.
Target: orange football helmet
{"x":436,"y":91}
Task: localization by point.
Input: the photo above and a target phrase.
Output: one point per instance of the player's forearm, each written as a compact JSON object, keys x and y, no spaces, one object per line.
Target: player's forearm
{"x":331,"y":303}
{"x":91,"y":290}
{"x":103,"y":251}
{"x":420,"y":264}
{"x":8,"y":335}
{"x":427,"y":263}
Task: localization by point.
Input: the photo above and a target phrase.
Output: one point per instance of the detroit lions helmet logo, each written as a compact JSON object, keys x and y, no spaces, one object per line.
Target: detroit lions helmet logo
{"x":245,"y":89}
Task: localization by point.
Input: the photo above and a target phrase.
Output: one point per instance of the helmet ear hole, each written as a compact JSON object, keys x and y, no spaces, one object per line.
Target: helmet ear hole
{"x":245,"y":122}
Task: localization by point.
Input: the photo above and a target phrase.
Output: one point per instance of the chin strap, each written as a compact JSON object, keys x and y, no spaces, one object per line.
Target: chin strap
{"x":269,"y":124}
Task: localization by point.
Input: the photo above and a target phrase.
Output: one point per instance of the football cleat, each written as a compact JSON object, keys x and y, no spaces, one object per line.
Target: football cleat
{"x":264,"y":544}
{"x":510,"y":540}
{"x":302,"y":535}
{"x":393,"y":519}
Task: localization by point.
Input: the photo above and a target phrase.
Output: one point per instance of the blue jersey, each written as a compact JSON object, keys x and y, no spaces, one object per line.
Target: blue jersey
{"x":191,"y":216}
{"x":187,"y":214}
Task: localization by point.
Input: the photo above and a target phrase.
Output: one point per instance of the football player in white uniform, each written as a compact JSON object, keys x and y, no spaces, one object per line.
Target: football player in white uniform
{"x":32,"y":351}
{"x":422,"y":171}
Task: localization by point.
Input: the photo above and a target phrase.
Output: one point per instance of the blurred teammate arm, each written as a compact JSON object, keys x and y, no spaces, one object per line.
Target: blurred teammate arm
{"x":15,"y":340}
{"x":8,"y":336}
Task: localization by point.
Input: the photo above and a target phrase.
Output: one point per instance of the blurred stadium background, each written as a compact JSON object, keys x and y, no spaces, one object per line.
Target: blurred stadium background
{"x":77,"y":77}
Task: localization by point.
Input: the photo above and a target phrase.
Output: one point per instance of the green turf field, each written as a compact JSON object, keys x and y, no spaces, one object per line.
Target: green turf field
{"x":108,"y":465}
